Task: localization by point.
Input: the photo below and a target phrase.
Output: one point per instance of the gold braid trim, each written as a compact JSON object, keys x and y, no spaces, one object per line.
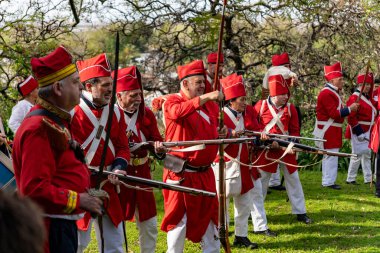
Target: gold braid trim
{"x":54,"y":109}
{"x":71,"y":202}
{"x":57,"y":76}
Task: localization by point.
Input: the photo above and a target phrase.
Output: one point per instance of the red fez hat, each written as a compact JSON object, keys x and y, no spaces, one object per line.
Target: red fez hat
{"x":277,"y":86}
{"x":233,"y":86}
{"x":368,"y":79}
{"x":194,"y":68}
{"x":27,"y":86}
{"x":280,"y":59}
{"x":53,"y":67}
{"x":128,"y":79}
{"x":212,"y":57}
{"x":97,"y":66}
{"x":333,"y":71}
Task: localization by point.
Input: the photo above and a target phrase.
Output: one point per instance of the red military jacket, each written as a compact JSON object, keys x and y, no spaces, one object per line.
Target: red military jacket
{"x":288,"y":124}
{"x":185,"y":119}
{"x":144,"y":129}
{"x":83,"y":128}
{"x":46,"y":168}
{"x":250,"y":123}
{"x":329,"y":105}
{"x":361,"y":121}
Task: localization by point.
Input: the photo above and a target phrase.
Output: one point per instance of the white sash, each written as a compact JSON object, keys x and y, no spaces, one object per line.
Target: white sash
{"x":131,"y":125}
{"x":210,"y":81}
{"x":95,"y":137}
{"x":361,"y":147}
{"x":320,"y":133}
{"x":276,"y":120}
{"x":204,"y":116}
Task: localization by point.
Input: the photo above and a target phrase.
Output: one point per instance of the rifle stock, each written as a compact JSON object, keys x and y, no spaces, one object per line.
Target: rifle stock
{"x":158,"y":184}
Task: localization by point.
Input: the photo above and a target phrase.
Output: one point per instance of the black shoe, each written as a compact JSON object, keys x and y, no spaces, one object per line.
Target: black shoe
{"x":334,"y":187}
{"x":369,"y":182}
{"x":244,"y":242}
{"x":278,"y":188}
{"x":377,"y":194}
{"x":267,"y":232}
{"x":353,"y":182}
{"x":304,"y":218}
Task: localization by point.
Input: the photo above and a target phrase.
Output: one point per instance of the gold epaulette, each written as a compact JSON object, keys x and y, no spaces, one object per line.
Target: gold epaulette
{"x":59,"y":137}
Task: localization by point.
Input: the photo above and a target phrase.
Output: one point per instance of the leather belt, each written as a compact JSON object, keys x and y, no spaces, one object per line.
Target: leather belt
{"x":137,"y":161}
{"x":197,"y":168}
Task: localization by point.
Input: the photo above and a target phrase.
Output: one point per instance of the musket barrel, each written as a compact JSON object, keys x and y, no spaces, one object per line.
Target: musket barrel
{"x":284,"y":135}
{"x":160,"y":185}
{"x":313,"y":149}
{"x":332,"y":153}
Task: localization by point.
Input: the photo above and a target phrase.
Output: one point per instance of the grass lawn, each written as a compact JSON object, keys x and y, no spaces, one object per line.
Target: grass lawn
{"x":343,"y":221}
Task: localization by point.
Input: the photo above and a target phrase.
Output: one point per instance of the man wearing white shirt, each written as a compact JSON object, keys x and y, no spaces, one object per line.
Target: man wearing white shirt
{"x":28,"y":90}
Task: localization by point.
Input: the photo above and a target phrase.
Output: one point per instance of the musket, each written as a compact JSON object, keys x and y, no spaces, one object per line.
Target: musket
{"x":256,"y":133}
{"x":365,"y":79}
{"x":159,"y":185}
{"x":223,"y":227}
{"x":309,"y":149}
{"x":284,"y":143}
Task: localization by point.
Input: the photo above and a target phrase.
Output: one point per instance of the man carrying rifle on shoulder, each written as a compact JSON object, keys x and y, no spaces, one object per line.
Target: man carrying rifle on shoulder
{"x":330,"y":117}
{"x":277,"y":116}
{"x":141,"y":127}
{"x":191,"y":114}
{"x":89,"y":126}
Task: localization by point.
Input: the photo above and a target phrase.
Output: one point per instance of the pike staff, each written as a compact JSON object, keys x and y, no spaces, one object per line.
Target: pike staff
{"x":223,"y":228}
{"x":108,"y":133}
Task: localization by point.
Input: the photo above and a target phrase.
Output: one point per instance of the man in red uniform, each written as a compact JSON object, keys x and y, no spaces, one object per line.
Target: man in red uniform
{"x":210,"y":72}
{"x":280,"y":66}
{"x":359,"y":129}
{"x":277,"y":116}
{"x":141,"y":127}
{"x":192,"y":114}
{"x":328,"y":126}
{"x":49,"y":166}
{"x":89,"y":124}
{"x":242,"y":181}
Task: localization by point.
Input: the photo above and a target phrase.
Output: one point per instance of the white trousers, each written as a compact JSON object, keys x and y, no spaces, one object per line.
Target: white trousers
{"x":242,"y":206}
{"x":329,"y":168}
{"x":293,"y":189}
{"x":176,"y":238}
{"x":259,"y":216}
{"x":113,"y":237}
{"x":147,"y":233}
{"x":275,"y":179}
{"x":365,"y":161}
